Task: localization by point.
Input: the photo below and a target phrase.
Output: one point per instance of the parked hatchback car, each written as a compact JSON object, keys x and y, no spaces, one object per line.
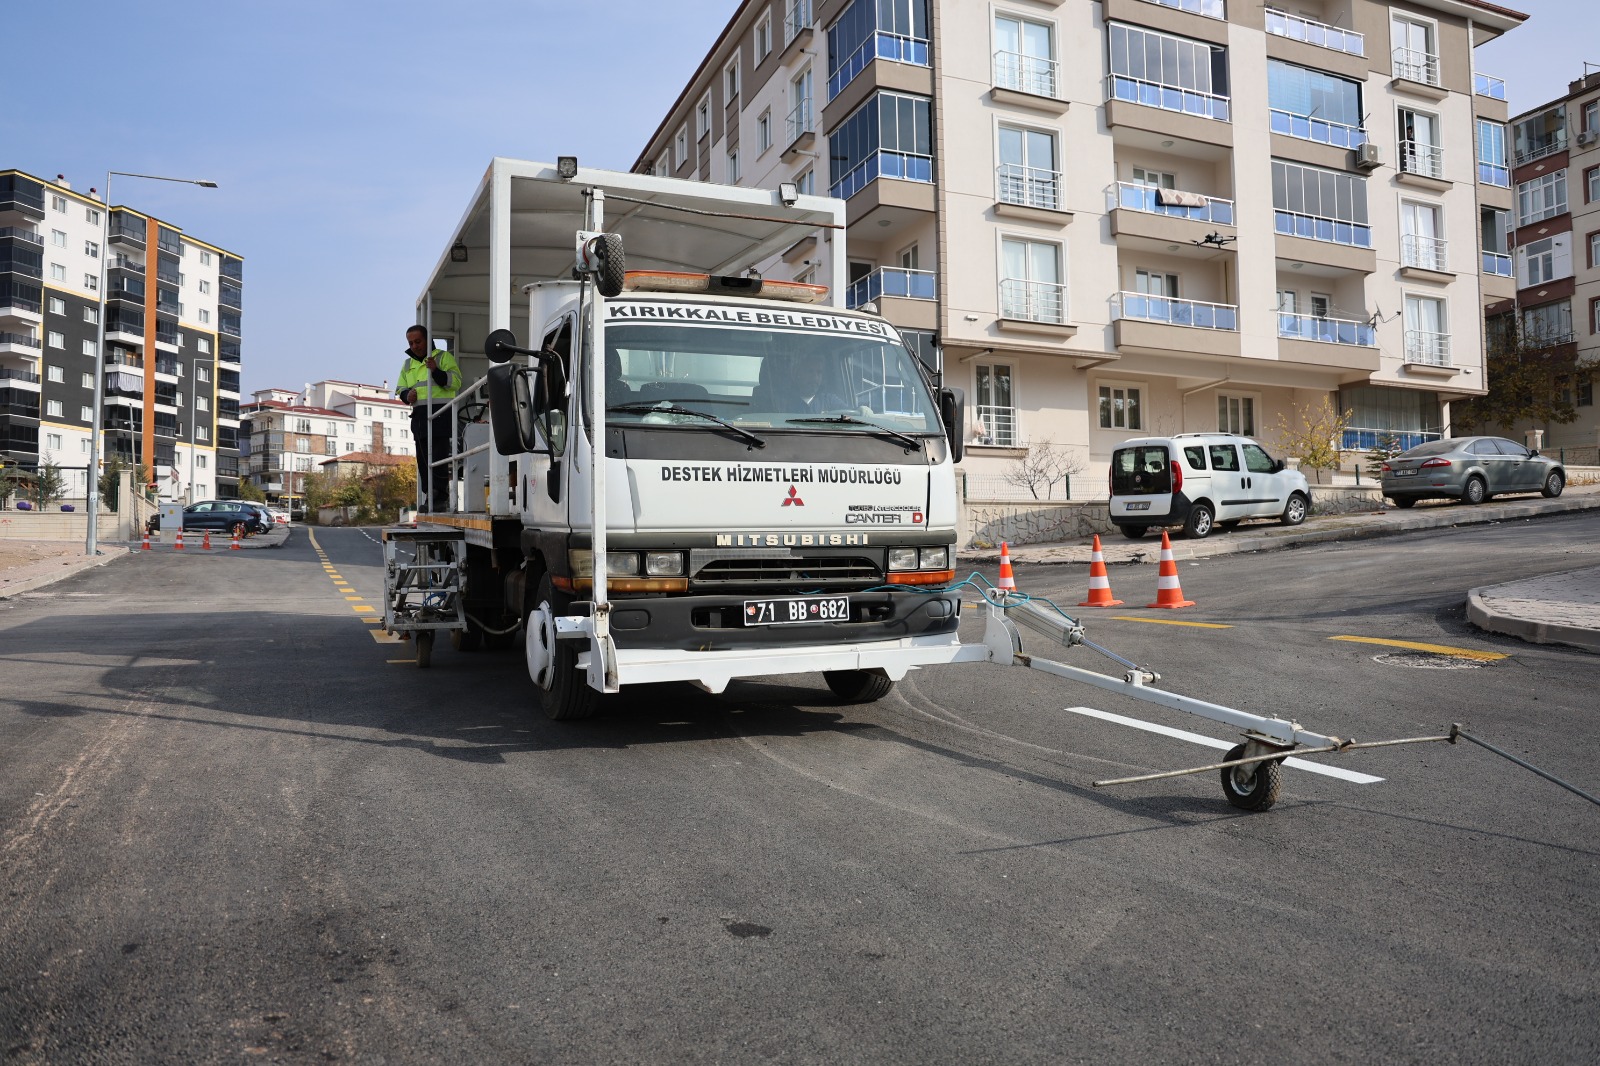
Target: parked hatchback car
{"x":1469,"y":469}
{"x":227,"y":515}
{"x":1200,"y":481}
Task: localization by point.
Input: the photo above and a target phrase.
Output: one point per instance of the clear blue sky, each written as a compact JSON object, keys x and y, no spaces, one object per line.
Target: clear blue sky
{"x":347,"y":135}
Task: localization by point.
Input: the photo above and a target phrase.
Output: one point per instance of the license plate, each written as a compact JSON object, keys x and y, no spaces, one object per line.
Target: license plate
{"x":1139,"y":505}
{"x":1403,"y":473}
{"x":796,"y":610}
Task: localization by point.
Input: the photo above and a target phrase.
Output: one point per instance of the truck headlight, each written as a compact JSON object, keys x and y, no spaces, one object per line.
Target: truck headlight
{"x":936,"y":558}
{"x":663,"y":564}
{"x":902,"y":558}
{"x":618,"y":564}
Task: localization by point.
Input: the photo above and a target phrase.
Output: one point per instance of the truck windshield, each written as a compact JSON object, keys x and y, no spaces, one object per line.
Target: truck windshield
{"x":764,"y":378}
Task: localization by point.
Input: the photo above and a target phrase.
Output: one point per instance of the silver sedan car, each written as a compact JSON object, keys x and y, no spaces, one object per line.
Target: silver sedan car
{"x":1469,"y":469}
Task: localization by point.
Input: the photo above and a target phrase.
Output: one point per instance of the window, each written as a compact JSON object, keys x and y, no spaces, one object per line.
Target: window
{"x":764,"y":131}
{"x":58,"y":203}
{"x":205,"y":258}
{"x":91,"y":282}
{"x":56,"y":340}
{"x":55,"y":373}
{"x":1548,"y":323}
{"x":205,"y":316}
{"x":702,"y":116}
{"x":1028,"y":175}
{"x":53,"y":408}
{"x":893,"y":30}
{"x":1591,"y":116}
{"x":908,"y":258}
{"x":52,"y":441}
{"x":730,"y":81}
{"x":301,"y":444}
{"x":58,"y":238}
{"x":806,"y":182}
{"x":1025,"y":56}
{"x":91,"y":315}
{"x":763,"y":37}
{"x":1323,"y":205}
{"x":58,"y":306}
{"x":91,"y":216}
{"x":1585,"y":397}
{"x":203,"y":345}
{"x":1543,"y":134}
{"x":1173,"y":73}
{"x":680,"y":147}
{"x":733,"y":167}
{"x":200,"y":460}
{"x":205,"y":286}
{"x":662,"y":167}
{"x":1492,"y":168}
{"x":87,"y":381}
{"x":1591,"y":185}
{"x":89,"y":348}
{"x":1154,"y":179}
{"x":995,"y":415}
{"x":202,"y":432}
{"x":1416,"y":58}
{"x":366,"y":412}
{"x":1594,"y":250}
{"x":1419,"y":143}
{"x":1420,"y":242}
{"x":202,"y":373}
{"x":91,"y":249}
{"x":302,"y":425}
{"x":1120,"y":407}
{"x":1314,"y":106}
{"x":1426,"y":338}
{"x":1151,"y":284}
{"x":86,"y":414}
{"x":1543,"y":261}
{"x":889,"y":136}
{"x":1030,"y":281}
{"x":58,"y":272}
{"x":202,"y":403}
{"x":1236,"y":414}
{"x":1256,"y":459}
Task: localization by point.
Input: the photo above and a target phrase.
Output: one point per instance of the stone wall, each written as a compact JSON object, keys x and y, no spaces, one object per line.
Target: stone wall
{"x":126,"y":523}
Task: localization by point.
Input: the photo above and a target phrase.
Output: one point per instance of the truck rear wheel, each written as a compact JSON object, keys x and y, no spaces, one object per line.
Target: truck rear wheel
{"x":563,"y":693}
{"x":858,"y":686}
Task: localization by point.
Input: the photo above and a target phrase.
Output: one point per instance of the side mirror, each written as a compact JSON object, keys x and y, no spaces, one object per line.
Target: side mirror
{"x":953,"y":413}
{"x":500,"y":346}
{"x":511,"y":413}
{"x":1279,"y":466}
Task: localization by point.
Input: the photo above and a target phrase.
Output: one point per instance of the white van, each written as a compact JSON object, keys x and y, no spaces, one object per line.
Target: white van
{"x":1200,"y":481}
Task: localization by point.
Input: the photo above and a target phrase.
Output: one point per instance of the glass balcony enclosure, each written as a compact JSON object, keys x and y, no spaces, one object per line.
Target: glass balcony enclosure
{"x":1171,"y":311}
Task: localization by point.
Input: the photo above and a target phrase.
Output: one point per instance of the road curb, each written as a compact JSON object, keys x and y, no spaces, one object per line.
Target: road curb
{"x":58,"y":570}
{"x":1480,"y":614}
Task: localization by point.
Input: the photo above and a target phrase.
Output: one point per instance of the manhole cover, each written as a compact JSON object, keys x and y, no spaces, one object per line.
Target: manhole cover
{"x":1427,"y":660}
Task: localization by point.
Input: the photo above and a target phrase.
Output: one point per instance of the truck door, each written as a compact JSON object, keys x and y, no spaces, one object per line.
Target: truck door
{"x":1265,"y":487}
{"x":543,"y":485}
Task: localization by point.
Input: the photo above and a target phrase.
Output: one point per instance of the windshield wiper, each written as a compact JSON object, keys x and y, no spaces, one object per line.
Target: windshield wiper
{"x":673,"y":409}
{"x":911,"y":443}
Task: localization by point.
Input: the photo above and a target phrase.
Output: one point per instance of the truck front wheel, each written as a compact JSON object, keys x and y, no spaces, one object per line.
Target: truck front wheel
{"x":858,"y":686}
{"x":564,"y":694}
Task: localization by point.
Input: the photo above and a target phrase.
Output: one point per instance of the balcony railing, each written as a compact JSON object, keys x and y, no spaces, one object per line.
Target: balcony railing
{"x":169,"y":242}
{"x":1483,"y":85}
{"x":892,"y":281}
{"x":1494,"y":174}
{"x":167,"y":366}
{"x":1034,"y":75}
{"x":895,"y":47}
{"x":1296,"y":28}
{"x":801,"y":120}
{"x":796,"y":19}
{"x":229,"y":324}
{"x":1414,"y":65}
{"x":1432,"y":349}
{"x":1417,"y":157}
{"x":1428,"y":253}
{"x":906,"y":166}
{"x":1327,"y":330}
{"x":1319,"y":228}
{"x":998,"y":425}
{"x":1147,"y":198}
{"x":20,"y":340}
{"x":229,"y":296}
{"x":1497,"y":263}
{"x":1542,"y":148}
{"x":1172,"y":311}
{"x":19,"y":375}
{"x":1211,"y":9}
{"x":1320,"y":130}
{"x":21,"y":234}
{"x":123,"y":262}
{"x":128,"y":233}
{"x":1362,"y":439}
{"x":19,"y":303}
{"x":1028,"y":186}
{"x":1167,"y":97}
{"x":1033,"y":301}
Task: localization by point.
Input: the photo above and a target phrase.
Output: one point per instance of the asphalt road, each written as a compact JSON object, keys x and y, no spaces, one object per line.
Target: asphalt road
{"x":235,"y":825}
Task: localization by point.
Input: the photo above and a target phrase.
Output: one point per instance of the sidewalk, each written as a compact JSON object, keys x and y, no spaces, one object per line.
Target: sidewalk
{"x":1555,"y":609}
{"x":26,"y":565}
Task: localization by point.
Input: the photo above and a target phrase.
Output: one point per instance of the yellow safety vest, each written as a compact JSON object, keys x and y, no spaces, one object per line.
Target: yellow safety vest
{"x":416,"y":375}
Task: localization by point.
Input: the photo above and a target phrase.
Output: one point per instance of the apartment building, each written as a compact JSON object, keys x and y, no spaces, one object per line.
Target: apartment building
{"x":1135,"y":216}
{"x":172,"y":340}
{"x":1550,"y":245}
{"x":292,"y":434}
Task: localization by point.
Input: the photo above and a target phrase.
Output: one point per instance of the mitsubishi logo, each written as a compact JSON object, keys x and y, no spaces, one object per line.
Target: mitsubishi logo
{"x":793,"y":498}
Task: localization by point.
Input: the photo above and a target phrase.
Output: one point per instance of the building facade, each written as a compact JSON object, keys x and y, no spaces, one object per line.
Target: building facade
{"x":1136,"y":216}
{"x":172,"y":356}
{"x":1551,"y":240}
{"x":290,"y":435}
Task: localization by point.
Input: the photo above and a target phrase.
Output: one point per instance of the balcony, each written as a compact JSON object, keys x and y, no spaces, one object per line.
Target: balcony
{"x":1171,"y":311}
{"x":1032,"y":187}
{"x":18,"y":344}
{"x":1420,"y":70}
{"x":229,"y":324}
{"x":894,"y":47}
{"x":125,"y":262}
{"x":1362,"y":439}
{"x":1211,"y":9}
{"x":1493,"y":88}
{"x":127,"y":231}
{"x":801,"y":123}
{"x":1494,"y":174}
{"x":18,"y":233}
{"x":167,"y":366}
{"x":894,"y":282}
{"x":905,"y":166}
{"x":25,"y":377}
{"x":1420,"y":160}
{"x":1428,"y":349}
{"x":1322,"y":131}
{"x":1538,"y":148}
{"x":169,"y":242}
{"x":1327,"y":330}
{"x":1320,"y":34}
{"x":229,"y":296}
{"x":1120,"y":87}
{"x":15,"y":306}
{"x":1030,"y":75}
{"x":232,"y":269}
{"x":796,"y":19}
{"x":1320,"y":228}
{"x":1424,"y":258}
{"x":167,"y":336}
{"x":1174,"y":203}
{"x":998,"y":426}
{"x":1498,"y":264}
{"x":1041,"y":302}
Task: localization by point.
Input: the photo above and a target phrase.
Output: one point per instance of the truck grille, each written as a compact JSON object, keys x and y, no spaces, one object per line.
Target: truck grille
{"x":709,"y":569}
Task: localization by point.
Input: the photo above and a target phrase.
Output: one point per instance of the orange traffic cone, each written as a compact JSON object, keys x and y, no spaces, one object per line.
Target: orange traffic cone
{"x":1168,"y":592}
{"x":179,"y":546}
{"x":235,"y":545}
{"x":1008,"y":582}
{"x":145,"y":545}
{"x":205,"y":541}
{"x":1099,"y":580}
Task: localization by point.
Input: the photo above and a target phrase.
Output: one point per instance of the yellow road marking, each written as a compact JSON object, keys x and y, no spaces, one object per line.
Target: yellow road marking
{"x":407,"y":662}
{"x":354,"y":599}
{"x":1441,"y":649}
{"x":1169,"y":622}
{"x":373,"y":621}
{"x":340,"y":581}
{"x":381,"y":637}
{"x":361,"y":607}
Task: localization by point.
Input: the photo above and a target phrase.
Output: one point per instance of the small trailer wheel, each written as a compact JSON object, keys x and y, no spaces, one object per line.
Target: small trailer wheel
{"x":1254,"y":787}
{"x":424,"y":643}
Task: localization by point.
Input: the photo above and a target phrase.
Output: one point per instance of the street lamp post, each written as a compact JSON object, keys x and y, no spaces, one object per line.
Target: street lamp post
{"x":92,"y":502}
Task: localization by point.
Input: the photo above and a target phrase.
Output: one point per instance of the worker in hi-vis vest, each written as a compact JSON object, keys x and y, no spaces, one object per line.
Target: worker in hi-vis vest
{"x":429,"y":380}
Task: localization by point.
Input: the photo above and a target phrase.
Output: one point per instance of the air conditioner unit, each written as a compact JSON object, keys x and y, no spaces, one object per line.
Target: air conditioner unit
{"x":1367,"y":157}
{"x":1587,"y":137}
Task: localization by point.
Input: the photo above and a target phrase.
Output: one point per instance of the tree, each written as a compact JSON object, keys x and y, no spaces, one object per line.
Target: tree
{"x":395,"y":487}
{"x":1315,"y":434}
{"x":1387,"y":448}
{"x":51,"y":485}
{"x":1043,"y":466}
{"x":1524,"y":372}
{"x":12,"y":481}
{"x":249,"y":490}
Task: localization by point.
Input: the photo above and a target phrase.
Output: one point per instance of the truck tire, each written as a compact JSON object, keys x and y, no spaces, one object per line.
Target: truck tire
{"x":561,"y":690}
{"x":858,"y":686}
{"x":1199,"y":523}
